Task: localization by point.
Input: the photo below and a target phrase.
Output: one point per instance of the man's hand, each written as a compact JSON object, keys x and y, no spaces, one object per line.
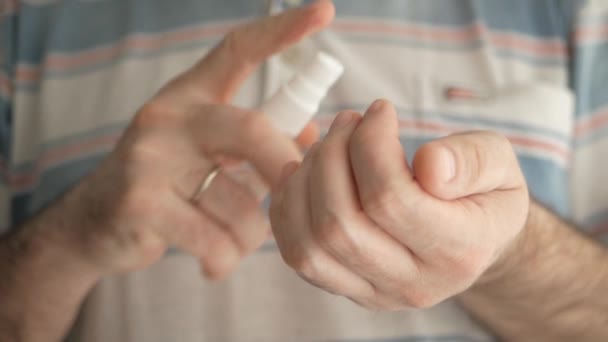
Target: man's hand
{"x":355,"y":220}
{"x":139,"y":201}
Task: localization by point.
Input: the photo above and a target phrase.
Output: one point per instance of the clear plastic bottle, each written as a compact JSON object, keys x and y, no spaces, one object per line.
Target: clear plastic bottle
{"x":298,"y":101}
{"x":292,"y":107}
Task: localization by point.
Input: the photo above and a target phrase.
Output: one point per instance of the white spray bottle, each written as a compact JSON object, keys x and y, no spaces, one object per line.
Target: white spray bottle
{"x":292,"y":107}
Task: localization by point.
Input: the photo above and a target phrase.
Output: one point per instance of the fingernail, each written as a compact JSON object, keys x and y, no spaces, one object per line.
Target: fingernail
{"x":448,"y":164}
{"x":343,"y":119}
{"x":377,"y":106}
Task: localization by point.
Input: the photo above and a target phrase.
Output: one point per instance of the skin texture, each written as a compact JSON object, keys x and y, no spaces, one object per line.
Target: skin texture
{"x":355,"y":220}
{"x":126,"y":214}
{"x":550,"y":287}
{"x":402,"y":237}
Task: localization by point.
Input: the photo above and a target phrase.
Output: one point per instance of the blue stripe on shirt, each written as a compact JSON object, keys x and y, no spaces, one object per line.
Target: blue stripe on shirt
{"x":109,"y":21}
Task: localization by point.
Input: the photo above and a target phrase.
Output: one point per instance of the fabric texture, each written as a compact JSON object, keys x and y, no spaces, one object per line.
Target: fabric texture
{"x":73,"y":73}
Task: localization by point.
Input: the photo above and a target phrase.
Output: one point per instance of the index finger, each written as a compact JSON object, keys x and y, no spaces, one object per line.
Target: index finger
{"x":225,"y":130}
{"x":223,"y":70}
{"x":388,"y":192}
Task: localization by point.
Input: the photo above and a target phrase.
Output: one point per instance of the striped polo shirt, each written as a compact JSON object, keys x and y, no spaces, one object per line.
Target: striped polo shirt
{"x":74,"y":72}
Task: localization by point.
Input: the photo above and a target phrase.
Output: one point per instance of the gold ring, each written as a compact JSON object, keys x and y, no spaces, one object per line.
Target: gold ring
{"x":206,"y":183}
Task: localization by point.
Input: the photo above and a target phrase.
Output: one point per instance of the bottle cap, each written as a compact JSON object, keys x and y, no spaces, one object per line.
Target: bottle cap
{"x":294,"y":105}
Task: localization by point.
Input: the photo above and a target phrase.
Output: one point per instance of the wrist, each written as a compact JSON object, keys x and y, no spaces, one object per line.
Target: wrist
{"x":104,"y":233}
{"x":44,"y":280}
{"x":66,"y":246}
{"x":50,"y":244}
{"x":540,"y":289}
{"x":46,"y":241}
{"x":517,"y":254}
{"x":82,"y":238}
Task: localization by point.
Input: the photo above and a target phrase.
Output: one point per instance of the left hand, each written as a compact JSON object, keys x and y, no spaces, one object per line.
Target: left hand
{"x":355,"y":220}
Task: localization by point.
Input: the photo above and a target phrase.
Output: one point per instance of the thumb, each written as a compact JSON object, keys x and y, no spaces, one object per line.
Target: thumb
{"x":465,"y":164}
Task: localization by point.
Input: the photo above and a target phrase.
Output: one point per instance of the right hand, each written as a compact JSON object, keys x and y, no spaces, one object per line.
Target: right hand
{"x":139,"y":201}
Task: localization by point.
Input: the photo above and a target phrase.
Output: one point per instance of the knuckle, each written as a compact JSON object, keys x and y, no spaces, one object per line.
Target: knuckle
{"x":421,"y":300}
{"x":300,"y":261}
{"x":391,"y":303}
{"x":221,"y":263}
{"x":254,"y":128}
{"x":382,"y":205}
{"x":133,"y":205}
{"x":152,"y":114}
{"x":293,"y":257}
{"x":248,"y":243}
{"x":137,"y":237}
{"x":417,"y":295}
{"x":331,"y":233}
{"x":381,"y":302}
{"x":140,"y":151}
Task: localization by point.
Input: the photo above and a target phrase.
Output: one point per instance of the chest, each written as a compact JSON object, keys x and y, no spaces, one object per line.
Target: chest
{"x":83,"y":68}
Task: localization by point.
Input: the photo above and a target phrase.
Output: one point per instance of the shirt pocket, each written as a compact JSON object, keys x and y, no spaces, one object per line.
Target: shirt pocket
{"x":537,"y":117}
